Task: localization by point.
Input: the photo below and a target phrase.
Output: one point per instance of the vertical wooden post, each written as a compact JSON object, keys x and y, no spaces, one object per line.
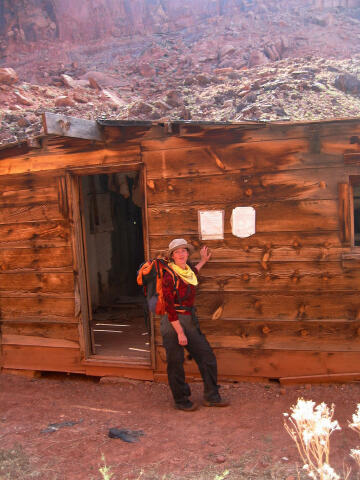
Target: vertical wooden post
{"x":80,"y":280}
{"x":344,"y":190}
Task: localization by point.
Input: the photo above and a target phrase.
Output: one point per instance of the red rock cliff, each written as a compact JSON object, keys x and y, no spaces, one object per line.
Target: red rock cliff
{"x":83,"y":20}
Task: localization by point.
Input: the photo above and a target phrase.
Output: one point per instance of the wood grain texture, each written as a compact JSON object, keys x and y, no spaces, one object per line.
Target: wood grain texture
{"x":341,"y":306}
{"x":105,"y":369}
{"x":35,"y":234}
{"x":288,"y":216}
{"x":28,"y":181}
{"x":39,"y":259}
{"x":66,"y":126}
{"x":237,"y":187}
{"x":64,"y":155}
{"x":29,"y":357}
{"x":283,"y":246}
{"x":272,"y":335}
{"x":30,"y":213}
{"x":38,"y":341}
{"x":63,"y":331}
{"x":281,"y":277}
{"x":344,"y":212}
{"x":32,"y":284}
{"x":21,"y":198}
{"x":315,"y":134}
{"x":273,"y":363}
{"x":38,"y":309}
{"x":245,"y":158}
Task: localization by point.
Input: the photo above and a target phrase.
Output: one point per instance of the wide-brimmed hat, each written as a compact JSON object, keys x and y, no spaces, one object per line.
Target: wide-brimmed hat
{"x":179,"y":243}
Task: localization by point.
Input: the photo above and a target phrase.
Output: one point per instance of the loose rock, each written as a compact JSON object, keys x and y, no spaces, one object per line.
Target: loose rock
{"x":8,"y":76}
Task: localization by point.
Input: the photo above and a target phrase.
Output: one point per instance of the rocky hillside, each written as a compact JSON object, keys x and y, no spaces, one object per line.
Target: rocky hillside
{"x":227,"y":60}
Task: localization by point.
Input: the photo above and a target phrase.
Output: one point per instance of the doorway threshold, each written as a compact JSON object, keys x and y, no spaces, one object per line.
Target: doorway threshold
{"x":117,"y":361}
{"x":118,"y":367}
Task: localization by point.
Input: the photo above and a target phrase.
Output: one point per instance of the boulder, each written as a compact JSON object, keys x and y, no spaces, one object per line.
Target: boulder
{"x":162,"y":106}
{"x":68,"y":81}
{"x":79,"y":98}
{"x":8,"y":76}
{"x":101,"y":79}
{"x":348,"y":83}
{"x":64,"y":101}
{"x":173,"y":98}
{"x":141,"y":108}
{"x":203,"y":80}
{"x":22,"y":99}
{"x":113,"y":98}
{"x":146,"y":70}
{"x":257,"y":58}
{"x":227,"y":50}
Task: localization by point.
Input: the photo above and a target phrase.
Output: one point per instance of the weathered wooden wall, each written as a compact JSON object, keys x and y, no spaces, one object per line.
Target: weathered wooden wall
{"x":281,"y":303}
{"x":39,"y":328}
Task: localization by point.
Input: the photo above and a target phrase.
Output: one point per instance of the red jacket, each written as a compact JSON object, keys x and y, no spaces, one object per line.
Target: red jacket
{"x":186,"y":294}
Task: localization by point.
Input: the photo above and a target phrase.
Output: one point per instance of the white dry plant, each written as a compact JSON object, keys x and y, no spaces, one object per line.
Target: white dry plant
{"x":310,"y":426}
{"x":355,"y":425}
{"x":105,"y":471}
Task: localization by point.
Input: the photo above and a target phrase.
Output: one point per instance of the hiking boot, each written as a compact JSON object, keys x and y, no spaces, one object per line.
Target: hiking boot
{"x":186,"y":406}
{"x":219,"y":402}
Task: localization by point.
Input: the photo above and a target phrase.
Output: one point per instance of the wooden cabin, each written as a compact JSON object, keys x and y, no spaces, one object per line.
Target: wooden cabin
{"x":84,"y":204}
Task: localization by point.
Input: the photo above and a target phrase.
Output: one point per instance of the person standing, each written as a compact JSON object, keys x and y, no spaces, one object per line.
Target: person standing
{"x":180,"y":328}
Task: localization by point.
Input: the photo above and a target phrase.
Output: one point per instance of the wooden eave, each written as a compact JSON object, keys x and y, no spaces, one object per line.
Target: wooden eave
{"x":70,"y":134}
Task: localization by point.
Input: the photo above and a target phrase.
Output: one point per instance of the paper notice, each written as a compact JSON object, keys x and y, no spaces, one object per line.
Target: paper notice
{"x":243,"y":222}
{"x":211,"y":224}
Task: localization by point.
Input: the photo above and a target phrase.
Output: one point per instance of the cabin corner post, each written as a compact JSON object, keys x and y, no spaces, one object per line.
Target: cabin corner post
{"x":82,"y":313}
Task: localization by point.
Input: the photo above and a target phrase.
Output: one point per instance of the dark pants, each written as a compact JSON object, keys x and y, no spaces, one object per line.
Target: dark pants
{"x":200,"y":351}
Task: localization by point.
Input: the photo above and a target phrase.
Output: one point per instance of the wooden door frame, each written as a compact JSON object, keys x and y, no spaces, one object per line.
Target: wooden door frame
{"x":82,"y":297}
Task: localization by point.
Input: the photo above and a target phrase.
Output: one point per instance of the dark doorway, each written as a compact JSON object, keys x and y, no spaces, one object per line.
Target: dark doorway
{"x":112,"y":206}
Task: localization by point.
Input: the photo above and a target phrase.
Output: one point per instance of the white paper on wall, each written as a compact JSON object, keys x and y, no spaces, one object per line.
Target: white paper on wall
{"x":211,"y":224}
{"x":243,"y":222}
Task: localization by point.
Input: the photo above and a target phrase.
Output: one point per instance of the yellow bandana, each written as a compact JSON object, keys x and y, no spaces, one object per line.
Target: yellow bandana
{"x":185,"y":274}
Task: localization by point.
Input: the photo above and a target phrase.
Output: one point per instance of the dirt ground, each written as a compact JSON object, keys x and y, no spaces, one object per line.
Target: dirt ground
{"x":244,"y":441}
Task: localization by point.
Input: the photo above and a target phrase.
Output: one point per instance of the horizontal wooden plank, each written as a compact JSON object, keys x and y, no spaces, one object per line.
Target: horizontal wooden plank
{"x":66,"y":126}
{"x":272,"y":363}
{"x":26,"y":284}
{"x":273,"y":276}
{"x":282,"y":246}
{"x":100,"y":369}
{"x":21,"y":373}
{"x":339,"y":144}
{"x":324,"y":378}
{"x":259,"y":131}
{"x":244,"y":158}
{"x":30,"y":213}
{"x":38,"y":258}
{"x":235,"y":187}
{"x":61,"y":154}
{"x":279,"y":306}
{"x":272,"y":335}
{"x":232,"y":134}
{"x":35,"y":234}
{"x":23,"y":198}
{"x":63,"y":331}
{"x":38,"y":309}
{"x":287,"y":216}
{"x":13,"y":183}
{"x":42,"y":358}
{"x":38,"y":341}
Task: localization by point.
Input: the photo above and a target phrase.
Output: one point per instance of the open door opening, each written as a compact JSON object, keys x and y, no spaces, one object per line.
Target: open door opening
{"x":112,"y":218}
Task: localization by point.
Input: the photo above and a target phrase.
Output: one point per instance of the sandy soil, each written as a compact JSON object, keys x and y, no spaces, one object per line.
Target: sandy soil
{"x":247,"y":439}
